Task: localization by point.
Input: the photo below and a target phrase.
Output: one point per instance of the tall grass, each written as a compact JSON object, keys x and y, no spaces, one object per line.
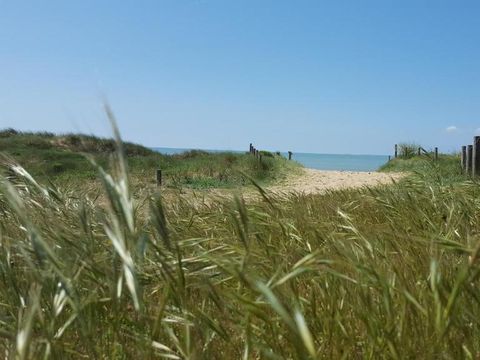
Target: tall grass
{"x":386,"y":272}
{"x":407,"y":150}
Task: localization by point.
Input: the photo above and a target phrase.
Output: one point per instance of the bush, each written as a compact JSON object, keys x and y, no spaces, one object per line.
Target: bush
{"x":190,"y":154}
{"x":73,"y":140}
{"x":8,"y":133}
{"x":266,"y":153}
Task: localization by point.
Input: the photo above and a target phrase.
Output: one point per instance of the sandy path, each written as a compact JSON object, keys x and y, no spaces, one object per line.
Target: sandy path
{"x":318,"y":181}
{"x":309,"y":181}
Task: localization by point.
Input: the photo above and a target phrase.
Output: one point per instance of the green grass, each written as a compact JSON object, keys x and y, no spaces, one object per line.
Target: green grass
{"x":61,"y":158}
{"x":446,"y":169}
{"x":388,"y":272}
{"x":407,"y":150}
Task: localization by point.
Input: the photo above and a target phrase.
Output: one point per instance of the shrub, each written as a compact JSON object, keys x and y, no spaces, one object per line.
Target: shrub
{"x":266,"y":153}
{"x":8,"y":133}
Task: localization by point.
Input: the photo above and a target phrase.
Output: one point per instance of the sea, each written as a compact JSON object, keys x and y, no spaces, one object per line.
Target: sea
{"x":342,"y":162}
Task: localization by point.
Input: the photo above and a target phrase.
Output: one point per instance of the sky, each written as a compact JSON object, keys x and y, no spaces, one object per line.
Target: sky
{"x":308,"y":76}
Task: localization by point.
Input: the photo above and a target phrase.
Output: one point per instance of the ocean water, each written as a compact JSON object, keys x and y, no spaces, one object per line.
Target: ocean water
{"x":340,"y":161}
{"x":316,"y":161}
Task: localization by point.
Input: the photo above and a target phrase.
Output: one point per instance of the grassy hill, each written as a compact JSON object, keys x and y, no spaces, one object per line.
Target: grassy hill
{"x":446,"y":169}
{"x":62,"y":158}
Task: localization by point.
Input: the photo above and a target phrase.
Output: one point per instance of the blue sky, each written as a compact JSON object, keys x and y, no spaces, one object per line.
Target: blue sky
{"x":308,"y":76}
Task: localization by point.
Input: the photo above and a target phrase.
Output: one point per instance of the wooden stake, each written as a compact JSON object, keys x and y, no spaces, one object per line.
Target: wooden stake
{"x":468,"y":167}
{"x":476,"y":156}
{"x":159,"y":177}
{"x":464,"y":159}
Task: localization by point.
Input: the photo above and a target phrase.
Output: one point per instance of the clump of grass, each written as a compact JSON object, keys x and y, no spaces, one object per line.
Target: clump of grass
{"x":408,"y":150}
{"x":446,"y":169}
{"x":386,"y":272}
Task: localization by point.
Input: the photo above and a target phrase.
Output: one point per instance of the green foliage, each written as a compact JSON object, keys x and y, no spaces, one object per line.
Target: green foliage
{"x":407,"y":150}
{"x":446,"y":170}
{"x":266,"y":153}
{"x":61,"y":158}
{"x":387,"y":272}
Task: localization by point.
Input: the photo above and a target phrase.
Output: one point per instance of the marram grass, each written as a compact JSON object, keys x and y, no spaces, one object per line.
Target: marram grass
{"x":387,"y":272}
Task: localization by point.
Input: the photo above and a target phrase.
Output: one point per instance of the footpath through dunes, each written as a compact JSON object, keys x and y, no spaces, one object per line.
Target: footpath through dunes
{"x":312,"y":181}
{"x":307,"y":182}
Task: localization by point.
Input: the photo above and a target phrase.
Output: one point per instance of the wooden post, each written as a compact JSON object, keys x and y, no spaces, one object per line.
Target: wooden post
{"x":159,"y":177}
{"x":250,"y":149}
{"x":396,"y":151}
{"x":290,"y":155}
{"x":389,"y":158}
{"x":468,"y":167}
{"x":464,"y":159}
{"x":476,"y":156}
{"x":419,"y":151}
{"x":436,"y":153}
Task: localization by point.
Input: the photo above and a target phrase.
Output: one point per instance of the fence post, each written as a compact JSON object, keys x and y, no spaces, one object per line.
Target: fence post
{"x":436,"y":153}
{"x":396,"y":151}
{"x":389,"y":158}
{"x":159,"y":177}
{"x":476,"y":156}
{"x":289,"y":155}
{"x":251,"y":147}
{"x":468,"y":167}
{"x":464,"y":158}
{"x":419,"y":151}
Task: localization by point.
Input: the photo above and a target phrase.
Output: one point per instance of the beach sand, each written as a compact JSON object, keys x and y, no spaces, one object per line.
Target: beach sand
{"x":318,"y":181}
{"x":308,"y":182}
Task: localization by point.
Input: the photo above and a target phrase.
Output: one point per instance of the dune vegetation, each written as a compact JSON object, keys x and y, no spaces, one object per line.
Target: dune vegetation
{"x":64,"y":159}
{"x":384,"y":272}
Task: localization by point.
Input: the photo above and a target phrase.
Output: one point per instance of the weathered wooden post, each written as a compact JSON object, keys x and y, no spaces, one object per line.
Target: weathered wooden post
{"x":396,"y":151}
{"x":159,"y":177}
{"x":389,"y":158}
{"x":464,"y":158}
{"x":476,"y":156}
{"x":419,"y":151}
{"x":290,"y":155}
{"x":251,"y":147}
{"x":436,"y":153}
{"x":468,"y":167}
